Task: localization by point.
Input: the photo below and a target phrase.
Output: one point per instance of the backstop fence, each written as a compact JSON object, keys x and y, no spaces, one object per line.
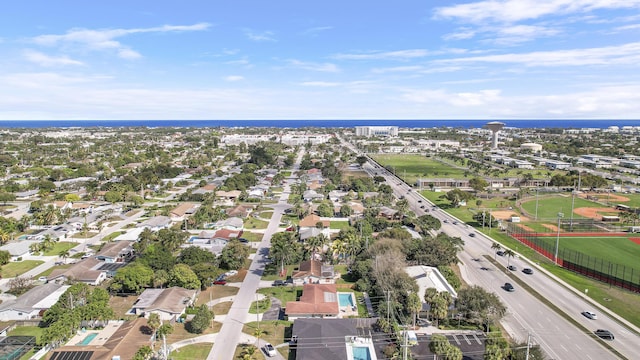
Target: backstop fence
{"x":588,"y":265}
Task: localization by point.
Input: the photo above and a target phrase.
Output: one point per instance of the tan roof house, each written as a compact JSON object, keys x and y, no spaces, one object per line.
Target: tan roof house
{"x":313,"y":272}
{"x":238,"y":211}
{"x":84,"y":271}
{"x":169,"y":303}
{"x":122,"y":344}
{"x":183,"y":210}
{"x":317,"y":301}
{"x":312,"y":220}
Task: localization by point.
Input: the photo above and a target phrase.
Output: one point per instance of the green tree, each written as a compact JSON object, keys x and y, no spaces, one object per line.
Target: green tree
{"x":496,"y":247}
{"x":233,"y":255}
{"x":154,"y":324}
{"x":478,"y":184}
{"x":5,"y":257}
{"x":132,"y":278}
{"x":181,"y":275}
{"x":479,"y":306}
{"x":195,"y":255}
{"x":144,"y":353}
{"x":201,"y":320}
{"x":414,"y":305}
{"x":509,"y":254}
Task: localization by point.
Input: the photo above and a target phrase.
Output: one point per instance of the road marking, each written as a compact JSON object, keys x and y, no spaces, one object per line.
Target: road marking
{"x":467,"y":339}
{"x":478,"y":340}
{"x":564,"y":348}
{"x":456,"y":339}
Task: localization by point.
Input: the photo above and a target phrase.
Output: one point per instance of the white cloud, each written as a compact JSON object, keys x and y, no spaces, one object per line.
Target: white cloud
{"x":314,"y":31}
{"x":509,"y":35}
{"x":322,"y":67}
{"x":388,"y":55}
{"x":462,"y":99}
{"x":261,"y":36}
{"x":628,"y":27}
{"x":49,"y":61}
{"x":395,"y":69}
{"x":320,"y":84}
{"x":105,"y":39}
{"x":233,"y":78}
{"x":461,"y":34}
{"x":509,"y":11}
{"x":620,"y":54}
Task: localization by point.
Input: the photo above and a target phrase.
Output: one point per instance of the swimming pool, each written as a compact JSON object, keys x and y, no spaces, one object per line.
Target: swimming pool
{"x":346,"y":299}
{"x":88,"y":339}
{"x":361,"y":353}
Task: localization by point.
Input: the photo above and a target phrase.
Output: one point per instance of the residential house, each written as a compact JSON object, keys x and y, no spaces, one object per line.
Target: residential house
{"x":117,"y":251}
{"x":313,"y":272}
{"x":232,"y":223}
{"x":87,"y":271}
{"x":238,"y":211}
{"x":228,"y":195}
{"x":388,"y":213}
{"x":168,"y":303}
{"x":182,"y":211}
{"x":123,"y":343}
{"x":27,"y":195}
{"x":337,"y":195}
{"x":156,"y":223}
{"x":317,"y":301}
{"x":33,"y":303}
{"x":18,"y":250}
{"x":312,"y":220}
{"x":310,"y":195}
{"x":342,"y":335}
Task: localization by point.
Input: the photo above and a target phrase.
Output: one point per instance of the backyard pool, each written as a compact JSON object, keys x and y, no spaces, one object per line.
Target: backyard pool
{"x":346,"y":299}
{"x":87,"y":339}
{"x":361,"y":353}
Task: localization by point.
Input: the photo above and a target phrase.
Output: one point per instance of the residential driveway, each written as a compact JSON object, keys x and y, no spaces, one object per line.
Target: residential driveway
{"x":274,"y":312}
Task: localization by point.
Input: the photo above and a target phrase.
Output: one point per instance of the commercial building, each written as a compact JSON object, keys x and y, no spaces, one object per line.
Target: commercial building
{"x":370,"y":131}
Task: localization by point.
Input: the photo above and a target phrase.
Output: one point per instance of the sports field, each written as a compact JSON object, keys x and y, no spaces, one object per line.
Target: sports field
{"x":620,"y":250}
{"x":411,"y":167}
{"x":550,"y":206}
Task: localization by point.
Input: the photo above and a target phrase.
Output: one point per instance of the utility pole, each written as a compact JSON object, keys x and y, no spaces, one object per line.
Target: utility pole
{"x":388,"y":307}
{"x":405,"y":345}
{"x":528,"y":345}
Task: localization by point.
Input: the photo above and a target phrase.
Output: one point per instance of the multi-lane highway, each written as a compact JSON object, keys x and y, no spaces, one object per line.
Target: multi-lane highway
{"x":527,"y":316}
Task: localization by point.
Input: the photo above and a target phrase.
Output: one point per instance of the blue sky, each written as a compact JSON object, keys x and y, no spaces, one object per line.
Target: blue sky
{"x":286,"y":59}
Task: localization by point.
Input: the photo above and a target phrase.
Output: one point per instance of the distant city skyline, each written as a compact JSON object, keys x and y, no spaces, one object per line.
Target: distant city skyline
{"x":197,"y":59}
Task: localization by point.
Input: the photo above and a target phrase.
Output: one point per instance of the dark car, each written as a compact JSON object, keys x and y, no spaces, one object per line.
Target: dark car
{"x":509,"y":287}
{"x":472,"y":235}
{"x":243,"y":240}
{"x":527,"y":271}
{"x":220,"y":282}
{"x":500,"y":253}
{"x":279,"y":283}
{"x":512,"y":268}
{"x":422,"y":207}
{"x":419,"y":201}
{"x":605,"y":334}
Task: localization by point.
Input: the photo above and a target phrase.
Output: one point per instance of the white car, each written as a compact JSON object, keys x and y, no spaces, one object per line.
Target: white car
{"x":269,"y":350}
{"x":591,"y":315}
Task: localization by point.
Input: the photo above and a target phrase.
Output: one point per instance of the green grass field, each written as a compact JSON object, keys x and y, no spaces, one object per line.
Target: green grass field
{"x":411,"y":167}
{"x":18,"y":268}
{"x":549,"y":207}
{"x":194,"y":351}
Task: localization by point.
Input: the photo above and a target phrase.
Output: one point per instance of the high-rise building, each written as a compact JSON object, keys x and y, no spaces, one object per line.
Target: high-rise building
{"x":369,"y":131}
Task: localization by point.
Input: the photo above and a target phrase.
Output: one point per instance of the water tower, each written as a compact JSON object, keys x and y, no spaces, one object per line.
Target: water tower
{"x":495,"y":127}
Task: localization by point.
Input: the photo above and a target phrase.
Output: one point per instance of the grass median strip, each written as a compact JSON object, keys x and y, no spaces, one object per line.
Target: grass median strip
{"x":549,"y":304}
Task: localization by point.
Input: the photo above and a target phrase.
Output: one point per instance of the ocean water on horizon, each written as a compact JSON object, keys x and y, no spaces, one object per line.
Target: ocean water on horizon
{"x":523,"y":124}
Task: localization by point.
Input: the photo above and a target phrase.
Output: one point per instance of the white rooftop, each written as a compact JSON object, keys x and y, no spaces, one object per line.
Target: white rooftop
{"x":429,"y":277}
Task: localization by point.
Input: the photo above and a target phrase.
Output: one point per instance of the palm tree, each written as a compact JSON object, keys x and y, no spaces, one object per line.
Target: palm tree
{"x":430,"y":295}
{"x":154,"y":323}
{"x":4,"y":237}
{"x":414,"y":305}
{"x":496,"y":247}
{"x":509,"y":253}
{"x":64,"y":254}
{"x":339,"y":248}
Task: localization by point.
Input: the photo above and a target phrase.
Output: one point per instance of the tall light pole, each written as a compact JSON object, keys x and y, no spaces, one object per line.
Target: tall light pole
{"x":555,"y":257}
{"x":536,"y":203}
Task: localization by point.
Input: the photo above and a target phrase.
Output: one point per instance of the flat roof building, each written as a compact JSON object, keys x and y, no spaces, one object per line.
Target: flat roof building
{"x":370,"y":131}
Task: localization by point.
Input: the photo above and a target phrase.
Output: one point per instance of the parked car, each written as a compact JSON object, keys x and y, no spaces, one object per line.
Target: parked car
{"x":269,"y":350}
{"x":512,"y":268}
{"x":605,"y":334}
{"x":43,"y":279}
{"x":509,"y":287}
{"x":590,"y":314}
{"x":220,"y":282}
{"x":527,"y":271}
{"x":279,"y":283}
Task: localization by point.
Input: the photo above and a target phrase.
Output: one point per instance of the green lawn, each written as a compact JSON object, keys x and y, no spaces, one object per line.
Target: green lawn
{"x":266,"y":214}
{"x":17,"y":268}
{"x":411,"y":167}
{"x":274,"y":332}
{"x":27,"y":331}
{"x":283,"y":293}
{"x":549,"y":207}
{"x":58,"y":247}
{"x":260,"y":306}
{"x":254,"y":237}
{"x":194,"y":351}
{"x":615,"y":249}
{"x":339,"y":225}
{"x":253,"y":223}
